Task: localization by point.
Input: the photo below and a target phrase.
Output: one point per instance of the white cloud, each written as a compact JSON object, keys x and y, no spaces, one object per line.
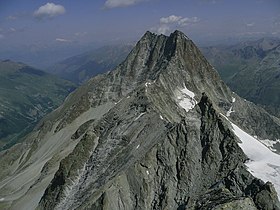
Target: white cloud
{"x":18,"y":16}
{"x":49,"y":10}
{"x":210,"y":1}
{"x":62,"y":40}
{"x":186,"y":21}
{"x":80,"y":34}
{"x":11,"y":17}
{"x":250,"y":24}
{"x":276,"y":21}
{"x":163,"y":29}
{"x":12,"y":30}
{"x":252,"y":33}
{"x":170,"y":19}
{"x":166,"y":24}
{"x":120,"y":3}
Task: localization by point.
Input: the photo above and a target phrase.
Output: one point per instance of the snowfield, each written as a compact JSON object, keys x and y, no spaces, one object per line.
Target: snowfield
{"x":264,"y":164}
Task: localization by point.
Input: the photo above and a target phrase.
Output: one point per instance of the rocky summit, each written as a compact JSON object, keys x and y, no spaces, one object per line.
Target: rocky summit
{"x":161,"y":131}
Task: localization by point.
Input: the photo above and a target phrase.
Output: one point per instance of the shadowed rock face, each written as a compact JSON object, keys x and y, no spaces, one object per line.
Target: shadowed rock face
{"x":137,"y":146}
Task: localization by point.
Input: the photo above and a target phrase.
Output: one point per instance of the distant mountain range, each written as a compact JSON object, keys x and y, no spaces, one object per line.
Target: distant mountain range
{"x":81,"y":68}
{"x":26,"y":95}
{"x":251,"y":69}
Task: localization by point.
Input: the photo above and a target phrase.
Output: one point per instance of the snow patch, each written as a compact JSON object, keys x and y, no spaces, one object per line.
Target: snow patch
{"x":147,"y":172}
{"x":233,"y":99}
{"x":229,"y":112}
{"x":147,"y":83}
{"x":264,"y":164}
{"x":138,"y":146}
{"x":161,"y":117}
{"x":188,"y":92}
{"x":185,"y":99}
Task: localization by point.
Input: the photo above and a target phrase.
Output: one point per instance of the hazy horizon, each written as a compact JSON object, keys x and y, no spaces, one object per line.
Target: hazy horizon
{"x":35,"y":31}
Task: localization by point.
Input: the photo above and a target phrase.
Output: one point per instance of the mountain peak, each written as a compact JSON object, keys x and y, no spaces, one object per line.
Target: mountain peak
{"x":148,"y":36}
{"x":174,"y":58}
{"x":174,"y":35}
{"x":179,"y":34}
{"x":148,"y":33}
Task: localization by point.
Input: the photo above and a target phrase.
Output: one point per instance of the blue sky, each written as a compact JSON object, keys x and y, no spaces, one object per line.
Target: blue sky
{"x":47,"y":23}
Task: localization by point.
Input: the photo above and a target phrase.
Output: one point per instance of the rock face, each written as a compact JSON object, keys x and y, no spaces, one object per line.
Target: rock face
{"x":148,"y":135}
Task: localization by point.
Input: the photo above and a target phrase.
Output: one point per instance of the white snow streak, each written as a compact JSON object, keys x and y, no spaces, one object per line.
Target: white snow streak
{"x":231,"y":108}
{"x":118,"y":101}
{"x":147,"y":172}
{"x":139,"y":116}
{"x":264,"y":164}
{"x":138,"y":146}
